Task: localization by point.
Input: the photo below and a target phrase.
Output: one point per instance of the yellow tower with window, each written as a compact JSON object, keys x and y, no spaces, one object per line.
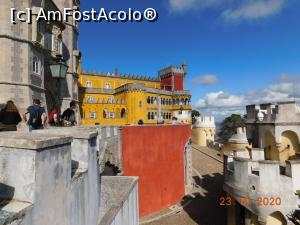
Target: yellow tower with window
{"x":116,"y":99}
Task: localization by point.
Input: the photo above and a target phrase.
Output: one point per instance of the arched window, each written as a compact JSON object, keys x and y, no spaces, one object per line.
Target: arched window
{"x":152,"y":116}
{"x":182,"y":101}
{"x":148,"y":100}
{"x":88,"y":84}
{"x":152,"y":100}
{"x":105,"y":113}
{"x":107,"y":85}
{"x":149,"y":116}
{"x":123,"y":113}
{"x":35,"y":65}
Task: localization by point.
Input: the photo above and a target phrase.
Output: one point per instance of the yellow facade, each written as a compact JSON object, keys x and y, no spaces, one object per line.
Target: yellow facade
{"x":109,"y":99}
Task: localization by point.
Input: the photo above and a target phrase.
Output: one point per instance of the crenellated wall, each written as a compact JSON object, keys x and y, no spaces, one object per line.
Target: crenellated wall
{"x":254,"y":178}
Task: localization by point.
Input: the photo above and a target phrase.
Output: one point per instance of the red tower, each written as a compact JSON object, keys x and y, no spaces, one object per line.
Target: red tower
{"x":172,"y":78}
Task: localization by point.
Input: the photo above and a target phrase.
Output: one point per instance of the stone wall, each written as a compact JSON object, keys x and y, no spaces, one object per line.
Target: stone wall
{"x":52,"y":176}
{"x":257,"y":179}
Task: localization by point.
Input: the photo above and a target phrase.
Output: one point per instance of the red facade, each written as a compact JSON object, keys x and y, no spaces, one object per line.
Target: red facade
{"x":178,"y":82}
{"x":167,"y":84}
{"x":156,"y":155}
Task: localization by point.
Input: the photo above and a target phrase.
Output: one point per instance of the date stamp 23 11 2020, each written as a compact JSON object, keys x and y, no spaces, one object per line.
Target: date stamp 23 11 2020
{"x":260,"y":201}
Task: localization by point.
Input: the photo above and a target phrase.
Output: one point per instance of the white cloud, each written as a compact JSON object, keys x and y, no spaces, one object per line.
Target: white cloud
{"x":232,"y":10}
{"x":220,"y":100}
{"x":207,"y":79}
{"x":183,"y":5}
{"x":254,"y":10}
{"x":222,"y":104}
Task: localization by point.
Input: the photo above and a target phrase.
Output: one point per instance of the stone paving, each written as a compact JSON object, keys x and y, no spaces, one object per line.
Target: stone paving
{"x":205,"y":208}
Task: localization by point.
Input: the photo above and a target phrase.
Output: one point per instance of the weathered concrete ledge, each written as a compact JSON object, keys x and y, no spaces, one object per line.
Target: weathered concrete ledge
{"x":69,"y":131}
{"x":32,"y":141}
{"x":12,"y":211}
{"x":115,"y":191}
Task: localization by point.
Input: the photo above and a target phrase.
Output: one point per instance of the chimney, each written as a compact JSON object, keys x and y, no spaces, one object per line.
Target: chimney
{"x":117,"y":72}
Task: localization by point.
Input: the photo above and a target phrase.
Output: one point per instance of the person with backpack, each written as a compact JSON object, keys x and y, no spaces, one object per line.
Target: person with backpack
{"x":37,"y":116}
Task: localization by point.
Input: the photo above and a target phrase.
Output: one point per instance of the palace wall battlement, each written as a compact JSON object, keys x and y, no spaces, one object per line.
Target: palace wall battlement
{"x":249,"y":176}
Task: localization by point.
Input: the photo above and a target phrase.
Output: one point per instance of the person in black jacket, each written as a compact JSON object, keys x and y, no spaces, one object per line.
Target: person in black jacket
{"x":69,"y":116}
{"x":10,"y":117}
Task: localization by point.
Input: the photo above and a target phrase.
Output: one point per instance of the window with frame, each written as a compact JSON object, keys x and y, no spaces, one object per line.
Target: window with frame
{"x":107,"y":86}
{"x":35,"y":64}
{"x":111,"y":115}
{"x":123,"y":113}
{"x":105,"y":113}
{"x":93,"y":115}
{"x":89,"y":84}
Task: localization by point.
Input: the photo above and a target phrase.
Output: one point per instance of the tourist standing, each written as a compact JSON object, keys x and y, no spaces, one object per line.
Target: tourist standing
{"x":10,"y":117}
{"x":37,"y":116}
{"x":54,"y":118}
{"x":69,"y":116}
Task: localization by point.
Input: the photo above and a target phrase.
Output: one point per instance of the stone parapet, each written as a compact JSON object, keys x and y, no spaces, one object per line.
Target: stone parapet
{"x":279,"y":112}
{"x":262,"y":179}
{"x":55,"y":172}
{"x":119,"y":198}
{"x":40,"y":176}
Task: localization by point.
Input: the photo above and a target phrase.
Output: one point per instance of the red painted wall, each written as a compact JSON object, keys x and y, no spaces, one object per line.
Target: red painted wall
{"x":178,"y":82}
{"x":156,"y":155}
{"x":166,"y":83}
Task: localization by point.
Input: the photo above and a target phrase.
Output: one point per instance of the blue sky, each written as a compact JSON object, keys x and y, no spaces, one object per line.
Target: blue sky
{"x":238,"y":52}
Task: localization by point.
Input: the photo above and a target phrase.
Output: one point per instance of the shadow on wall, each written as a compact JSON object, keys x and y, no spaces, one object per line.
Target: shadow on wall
{"x":205,"y":208}
{"x":6,"y":194}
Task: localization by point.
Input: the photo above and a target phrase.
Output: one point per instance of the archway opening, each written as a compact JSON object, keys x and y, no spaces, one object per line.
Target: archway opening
{"x":289,"y":145}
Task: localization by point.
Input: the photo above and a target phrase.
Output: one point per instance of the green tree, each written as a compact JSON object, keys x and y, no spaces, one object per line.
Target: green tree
{"x":229,"y":125}
{"x":195,"y":114}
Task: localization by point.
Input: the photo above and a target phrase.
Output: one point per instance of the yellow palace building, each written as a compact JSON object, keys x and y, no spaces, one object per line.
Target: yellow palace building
{"x":118,"y":99}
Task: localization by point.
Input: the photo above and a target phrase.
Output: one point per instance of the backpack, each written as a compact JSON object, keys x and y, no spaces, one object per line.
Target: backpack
{"x":35,"y":119}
